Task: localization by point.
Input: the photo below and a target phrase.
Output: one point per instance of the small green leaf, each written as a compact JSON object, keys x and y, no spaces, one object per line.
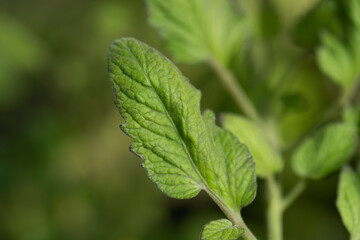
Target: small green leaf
{"x":348,"y":201}
{"x":336,"y":61}
{"x":195,"y":30}
{"x":353,"y":7}
{"x":267,"y":159}
{"x":221,"y":229}
{"x":182,"y":150}
{"x":325,"y":151}
{"x":340,"y":60}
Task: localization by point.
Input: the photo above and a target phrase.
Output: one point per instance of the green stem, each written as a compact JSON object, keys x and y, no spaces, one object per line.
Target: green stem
{"x":278,"y":204}
{"x":294,"y":194}
{"x":235,"y":89}
{"x":242,"y":100}
{"x":275,"y":210}
{"x":234,"y":217}
{"x":341,"y":103}
{"x":349,"y":94}
{"x":247,"y":235}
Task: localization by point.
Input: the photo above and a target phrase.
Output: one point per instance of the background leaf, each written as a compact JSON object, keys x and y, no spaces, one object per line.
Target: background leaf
{"x":267,"y":159}
{"x":337,"y":61}
{"x":340,"y":59}
{"x":195,"y":30}
{"x":221,"y":229}
{"x":326,"y":151}
{"x":348,"y":201}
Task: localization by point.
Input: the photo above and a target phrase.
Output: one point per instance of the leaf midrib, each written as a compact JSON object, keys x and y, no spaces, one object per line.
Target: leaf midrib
{"x":168,"y":116}
{"x":223,"y":206}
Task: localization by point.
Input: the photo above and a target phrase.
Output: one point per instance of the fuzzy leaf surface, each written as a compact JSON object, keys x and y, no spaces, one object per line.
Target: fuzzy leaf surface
{"x":348,"y":201}
{"x":267,"y":159}
{"x":221,"y":229}
{"x":182,"y":150}
{"x":238,"y":162}
{"x":195,"y":30}
{"x":326,"y":151}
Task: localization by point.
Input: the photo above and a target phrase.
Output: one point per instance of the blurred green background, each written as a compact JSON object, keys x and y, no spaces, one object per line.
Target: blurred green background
{"x":65,"y":168}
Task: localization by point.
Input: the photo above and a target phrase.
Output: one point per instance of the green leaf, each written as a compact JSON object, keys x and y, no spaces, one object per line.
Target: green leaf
{"x":340,"y":60}
{"x":337,"y":61}
{"x":238,"y":162}
{"x":348,"y":201}
{"x":326,"y":151}
{"x":267,"y":159}
{"x":182,"y":150}
{"x":356,"y":235}
{"x":353,"y":7}
{"x":195,"y":30}
{"x":221,"y":229}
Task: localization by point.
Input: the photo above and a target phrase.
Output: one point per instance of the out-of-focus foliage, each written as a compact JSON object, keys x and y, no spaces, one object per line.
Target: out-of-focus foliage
{"x":21,"y":52}
{"x":340,"y":63}
{"x":348,"y":201}
{"x":196,"y":30}
{"x":326,"y":151}
{"x":65,"y":168}
{"x":340,"y":60}
{"x":268,"y":161}
{"x":351,"y":115}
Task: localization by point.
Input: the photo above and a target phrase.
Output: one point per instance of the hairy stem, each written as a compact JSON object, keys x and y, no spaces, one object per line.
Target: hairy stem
{"x":242,"y":100}
{"x":247,"y":235}
{"x":234,"y":217}
{"x":235,"y":89}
